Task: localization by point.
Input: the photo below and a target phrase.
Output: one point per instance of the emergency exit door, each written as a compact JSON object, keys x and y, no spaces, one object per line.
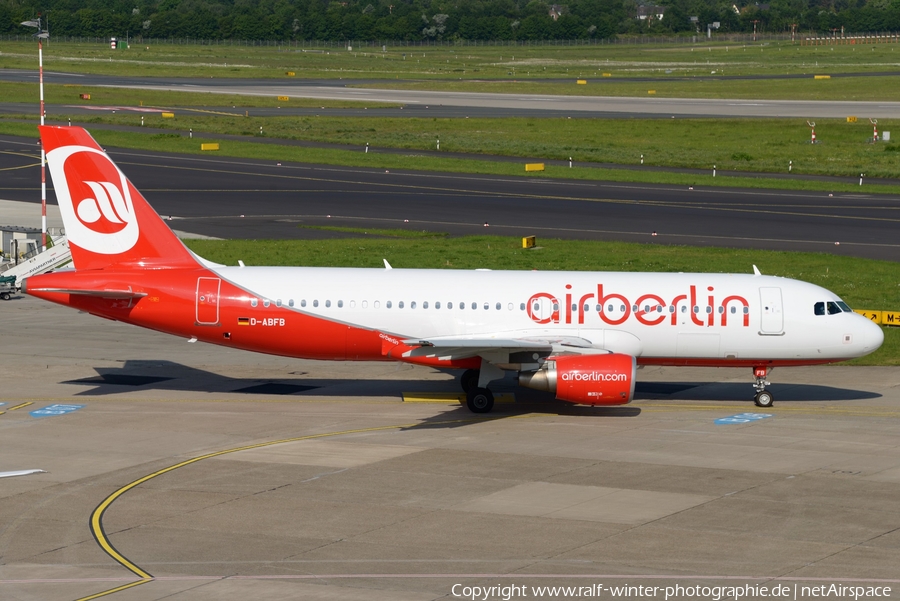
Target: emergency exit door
{"x":208,"y":301}
{"x":772,"y":319}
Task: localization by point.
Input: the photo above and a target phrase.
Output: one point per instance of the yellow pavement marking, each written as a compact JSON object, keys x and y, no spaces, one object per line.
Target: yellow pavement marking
{"x":451,"y":397}
{"x":96,"y":522}
{"x":116,"y":590}
{"x":19,"y":406}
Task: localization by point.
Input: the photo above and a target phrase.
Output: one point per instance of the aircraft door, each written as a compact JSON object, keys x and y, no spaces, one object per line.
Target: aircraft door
{"x":544,"y":310}
{"x":208,"y":301}
{"x":772,"y":320}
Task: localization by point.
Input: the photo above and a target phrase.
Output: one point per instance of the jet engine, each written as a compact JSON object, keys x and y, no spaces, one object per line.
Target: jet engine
{"x":586,"y":379}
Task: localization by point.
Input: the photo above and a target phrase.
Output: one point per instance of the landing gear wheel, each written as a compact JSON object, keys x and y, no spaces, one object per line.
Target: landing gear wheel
{"x":764,"y":399}
{"x":5,"y":296}
{"x":469,"y":380}
{"x":480,"y":400}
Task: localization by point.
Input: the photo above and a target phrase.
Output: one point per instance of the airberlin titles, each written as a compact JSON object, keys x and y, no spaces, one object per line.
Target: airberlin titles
{"x":648,"y":309}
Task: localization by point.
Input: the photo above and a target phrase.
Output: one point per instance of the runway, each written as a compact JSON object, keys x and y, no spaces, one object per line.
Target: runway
{"x":181,"y":471}
{"x":511,"y":103}
{"x":239,"y":198}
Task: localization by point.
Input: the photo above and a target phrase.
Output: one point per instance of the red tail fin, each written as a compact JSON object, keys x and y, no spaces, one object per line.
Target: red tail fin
{"x":107,"y":220}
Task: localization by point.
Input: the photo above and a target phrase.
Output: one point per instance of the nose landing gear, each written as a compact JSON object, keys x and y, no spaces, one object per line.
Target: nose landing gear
{"x":762,"y":398}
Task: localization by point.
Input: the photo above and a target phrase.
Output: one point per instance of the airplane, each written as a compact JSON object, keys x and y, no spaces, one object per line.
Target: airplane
{"x":578,"y":335}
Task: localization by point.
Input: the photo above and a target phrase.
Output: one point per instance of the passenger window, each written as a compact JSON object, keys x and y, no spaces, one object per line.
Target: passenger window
{"x":425,"y":305}
{"x":634,"y":308}
{"x":315,"y":303}
{"x":833,"y":308}
{"x":437,"y":305}
{"x":265,"y":302}
{"x":622,"y":308}
{"x":709,"y":309}
{"x":587,"y":308}
{"x":353,"y":304}
{"x":498,"y":306}
{"x":599,"y":308}
{"x":537,"y":307}
{"x":291,"y":303}
{"x":412,"y":305}
{"x":474,"y":306}
{"x":340,"y":304}
{"x":556,"y":306}
{"x":521,"y":306}
{"x":487,"y":306}
{"x":328,"y":304}
{"x":509,"y":307}
{"x":696,"y":309}
{"x":303,"y":303}
{"x":400,"y":305}
{"x":462,"y":305}
{"x":610,"y":308}
{"x":721,"y":310}
{"x":449,"y":305}
{"x":365,"y":304}
{"x":377,"y":304}
{"x":819,"y":308}
{"x":671,"y":308}
{"x":574,"y":307}
{"x":659,"y":308}
{"x":746,"y":310}
{"x":388,"y":304}
{"x":733,"y":310}
{"x":253,"y":302}
{"x":646,"y":308}
{"x":278,"y":303}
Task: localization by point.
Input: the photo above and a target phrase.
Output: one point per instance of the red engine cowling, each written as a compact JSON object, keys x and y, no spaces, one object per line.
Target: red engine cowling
{"x":586,"y":379}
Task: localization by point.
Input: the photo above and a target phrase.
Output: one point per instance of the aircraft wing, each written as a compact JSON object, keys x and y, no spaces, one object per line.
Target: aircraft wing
{"x":453,"y":348}
{"x":15,"y":473}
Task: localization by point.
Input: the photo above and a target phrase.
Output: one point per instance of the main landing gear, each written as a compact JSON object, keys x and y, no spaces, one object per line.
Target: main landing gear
{"x":762,"y":398}
{"x":478,"y":400}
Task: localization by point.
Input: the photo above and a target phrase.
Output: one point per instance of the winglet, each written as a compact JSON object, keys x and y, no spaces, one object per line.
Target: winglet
{"x":386,"y":264}
{"x":756,"y":270}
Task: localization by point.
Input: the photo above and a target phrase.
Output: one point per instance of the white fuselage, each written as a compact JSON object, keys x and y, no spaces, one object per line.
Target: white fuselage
{"x":649,"y":315}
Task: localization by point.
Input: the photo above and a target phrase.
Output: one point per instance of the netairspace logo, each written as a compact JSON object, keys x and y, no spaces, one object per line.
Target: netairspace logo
{"x":712,"y":593}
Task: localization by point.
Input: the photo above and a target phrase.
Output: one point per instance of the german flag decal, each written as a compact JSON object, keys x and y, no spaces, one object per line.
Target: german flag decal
{"x":243,"y":321}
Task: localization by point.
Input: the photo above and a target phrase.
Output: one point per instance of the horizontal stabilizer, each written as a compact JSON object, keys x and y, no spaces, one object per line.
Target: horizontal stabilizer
{"x":111,"y":294}
{"x":20,"y":473}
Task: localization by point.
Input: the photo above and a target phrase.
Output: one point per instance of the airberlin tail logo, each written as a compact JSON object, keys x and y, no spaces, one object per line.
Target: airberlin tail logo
{"x":94,"y":200}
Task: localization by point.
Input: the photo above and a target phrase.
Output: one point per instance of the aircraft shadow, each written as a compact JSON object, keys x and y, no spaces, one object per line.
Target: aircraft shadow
{"x":171,"y":376}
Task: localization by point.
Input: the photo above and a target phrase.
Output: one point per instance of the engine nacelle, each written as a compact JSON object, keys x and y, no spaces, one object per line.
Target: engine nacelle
{"x":586,"y":379}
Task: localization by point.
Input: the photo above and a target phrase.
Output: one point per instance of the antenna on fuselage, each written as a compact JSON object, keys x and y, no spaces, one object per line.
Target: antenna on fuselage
{"x":386,"y":264}
{"x":756,"y":270}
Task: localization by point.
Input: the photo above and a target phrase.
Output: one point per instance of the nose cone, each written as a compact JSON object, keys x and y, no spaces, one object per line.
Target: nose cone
{"x":871,"y":337}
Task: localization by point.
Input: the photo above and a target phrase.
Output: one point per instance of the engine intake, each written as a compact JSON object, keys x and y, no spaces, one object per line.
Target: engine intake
{"x":586,"y":379}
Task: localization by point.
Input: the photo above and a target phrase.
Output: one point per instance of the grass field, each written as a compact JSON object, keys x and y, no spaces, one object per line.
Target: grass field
{"x":455,"y":62}
{"x":758,"y":145}
{"x":412,"y":161}
{"x":863,"y":283}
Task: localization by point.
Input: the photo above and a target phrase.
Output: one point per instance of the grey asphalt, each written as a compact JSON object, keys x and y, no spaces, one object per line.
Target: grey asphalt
{"x":241,"y":198}
{"x":370,"y":498}
{"x":331,"y":90}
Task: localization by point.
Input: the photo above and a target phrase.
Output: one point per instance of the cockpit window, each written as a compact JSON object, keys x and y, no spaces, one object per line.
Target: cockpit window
{"x":833,"y":308}
{"x":845,"y":307}
{"x":820,"y":308}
